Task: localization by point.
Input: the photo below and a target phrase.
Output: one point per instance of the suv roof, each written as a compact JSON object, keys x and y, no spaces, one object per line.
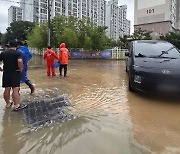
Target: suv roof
{"x":149,"y":41}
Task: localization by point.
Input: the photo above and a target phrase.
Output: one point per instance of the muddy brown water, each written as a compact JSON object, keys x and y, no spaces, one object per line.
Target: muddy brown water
{"x":109,"y":119}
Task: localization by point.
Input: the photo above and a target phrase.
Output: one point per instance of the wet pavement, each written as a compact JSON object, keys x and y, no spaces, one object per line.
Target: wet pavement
{"x":109,"y":119}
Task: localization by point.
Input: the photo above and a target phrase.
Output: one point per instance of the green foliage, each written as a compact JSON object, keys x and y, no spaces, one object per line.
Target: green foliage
{"x":123,"y":42}
{"x":140,"y":34}
{"x":18,"y":30}
{"x":58,"y":25}
{"x":88,"y":43}
{"x":99,"y":39}
{"x":38,"y":36}
{"x":173,"y":38}
{"x":74,"y":32}
{"x":1,"y":37}
{"x":70,"y":37}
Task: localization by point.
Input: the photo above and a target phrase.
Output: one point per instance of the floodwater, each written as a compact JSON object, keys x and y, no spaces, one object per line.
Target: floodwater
{"x":109,"y":118}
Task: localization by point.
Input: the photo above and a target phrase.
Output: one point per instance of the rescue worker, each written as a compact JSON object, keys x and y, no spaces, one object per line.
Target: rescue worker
{"x":63,"y":58}
{"x":26,"y":56}
{"x":50,"y":55}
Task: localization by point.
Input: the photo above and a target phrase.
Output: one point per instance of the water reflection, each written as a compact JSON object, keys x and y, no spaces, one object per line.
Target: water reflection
{"x":155,"y":124}
{"x":55,"y":137}
{"x":12,"y":125}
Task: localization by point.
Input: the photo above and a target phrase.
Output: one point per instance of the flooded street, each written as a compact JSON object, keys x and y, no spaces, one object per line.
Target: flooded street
{"x":108,"y":118}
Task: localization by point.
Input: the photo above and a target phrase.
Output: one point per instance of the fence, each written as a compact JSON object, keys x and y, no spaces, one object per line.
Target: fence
{"x":115,"y":53}
{"x":118,"y":53}
{"x":37,"y":51}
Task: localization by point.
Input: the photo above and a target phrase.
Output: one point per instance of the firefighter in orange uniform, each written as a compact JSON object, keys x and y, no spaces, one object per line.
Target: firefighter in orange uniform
{"x":63,"y":58}
{"x":50,"y":55}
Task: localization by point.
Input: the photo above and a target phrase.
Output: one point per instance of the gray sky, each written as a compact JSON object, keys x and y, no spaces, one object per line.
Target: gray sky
{"x":4,"y":6}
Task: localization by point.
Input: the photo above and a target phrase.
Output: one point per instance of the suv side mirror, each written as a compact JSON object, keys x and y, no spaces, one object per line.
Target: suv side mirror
{"x":127,"y":53}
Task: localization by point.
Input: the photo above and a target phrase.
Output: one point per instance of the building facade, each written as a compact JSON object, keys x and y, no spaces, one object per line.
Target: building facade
{"x":100,"y":12}
{"x":116,"y":20}
{"x":159,"y":16}
{"x":36,"y":10}
{"x":178,"y":15}
{"x":14,"y":14}
{"x":128,"y":27}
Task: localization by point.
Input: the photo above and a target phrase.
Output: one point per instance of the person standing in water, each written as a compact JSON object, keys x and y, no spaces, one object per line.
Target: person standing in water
{"x":63,"y":58}
{"x":50,"y":55}
{"x":26,"y":56}
{"x":12,"y":67}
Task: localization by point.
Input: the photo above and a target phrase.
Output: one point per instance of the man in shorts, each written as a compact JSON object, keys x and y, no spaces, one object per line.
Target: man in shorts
{"x":12,"y":67}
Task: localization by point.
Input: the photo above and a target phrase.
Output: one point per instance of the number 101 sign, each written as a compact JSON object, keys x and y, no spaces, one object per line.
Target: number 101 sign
{"x":150,"y":11}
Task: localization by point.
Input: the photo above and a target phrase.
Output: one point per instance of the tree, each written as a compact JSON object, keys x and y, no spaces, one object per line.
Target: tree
{"x":99,"y":39}
{"x":173,"y":38}
{"x":1,"y":35}
{"x":58,"y":25}
{"x":88,"y":43}
{"x":19,"y":30}
{"x":140,"y":34}
{"x":123,"y":42}
{"x":74,"y":32}
{"x":70,"y":37}
{"x":38,"y":37}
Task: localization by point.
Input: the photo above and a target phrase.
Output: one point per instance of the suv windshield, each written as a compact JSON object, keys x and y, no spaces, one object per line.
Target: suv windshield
{"x":156,"y":50}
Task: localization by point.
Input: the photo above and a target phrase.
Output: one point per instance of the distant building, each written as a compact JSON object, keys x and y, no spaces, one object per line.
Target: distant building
{"x":128,"y":27}
{"x":36,"y":10}
{"x":116,"y":20}
{"x":93,"y":9}
{"x":14,"y":14}
{"x":110,"y":15}
{"x":159,"y":16}
{"x":178,"y":15}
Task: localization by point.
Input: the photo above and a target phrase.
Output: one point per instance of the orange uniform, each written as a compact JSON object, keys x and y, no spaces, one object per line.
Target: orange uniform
{"x":63,"y":58}
{"x":50,"y":55}
{"x":63,"y":54}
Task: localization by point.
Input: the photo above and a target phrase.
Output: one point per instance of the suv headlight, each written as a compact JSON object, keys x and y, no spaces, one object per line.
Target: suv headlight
{"x":136,"y":66}
{"x":137,"y":79}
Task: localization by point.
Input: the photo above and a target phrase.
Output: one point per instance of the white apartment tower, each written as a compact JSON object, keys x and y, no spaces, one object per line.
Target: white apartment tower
{"x":128,"y":27}
{"x":36,"y":10}
{"x":178,"y":15}
{"x":159,"y":16}
{"x":116,"y":20}
{"x":14,"y":14}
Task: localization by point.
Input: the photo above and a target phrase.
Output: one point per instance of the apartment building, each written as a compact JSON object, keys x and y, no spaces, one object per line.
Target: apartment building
{"x":36,"y":10}
{"x":14,"y":14}
{"x":128,"y":27}
{"x":116,"y":20}
{"x":102,"y":13}
{"x":178,"y":15}
{"x":159,"y":16}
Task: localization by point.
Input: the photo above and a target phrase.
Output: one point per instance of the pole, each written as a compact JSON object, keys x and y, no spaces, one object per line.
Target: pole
{"x":49,"y":31}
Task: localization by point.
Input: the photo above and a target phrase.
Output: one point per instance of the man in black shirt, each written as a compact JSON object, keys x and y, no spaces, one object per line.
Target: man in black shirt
{"x":12,"y":68}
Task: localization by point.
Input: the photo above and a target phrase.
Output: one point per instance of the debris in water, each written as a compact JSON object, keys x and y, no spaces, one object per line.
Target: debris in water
{"x":46,"y":112}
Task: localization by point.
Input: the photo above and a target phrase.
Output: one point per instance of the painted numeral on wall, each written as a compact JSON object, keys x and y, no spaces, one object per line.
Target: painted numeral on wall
{"x":150,"y":11}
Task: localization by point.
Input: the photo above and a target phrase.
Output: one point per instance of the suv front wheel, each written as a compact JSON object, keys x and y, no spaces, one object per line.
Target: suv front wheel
{"x":130,"y":86}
